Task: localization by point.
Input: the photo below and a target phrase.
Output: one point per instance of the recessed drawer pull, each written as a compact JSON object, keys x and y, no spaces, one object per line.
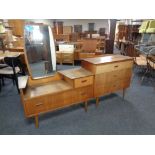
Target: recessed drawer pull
{"x":116,"y":66}
{"x":84,"y":81}
{"x":83,"y":94}
{"x":39,"y":104}
{"x":115,"y":75}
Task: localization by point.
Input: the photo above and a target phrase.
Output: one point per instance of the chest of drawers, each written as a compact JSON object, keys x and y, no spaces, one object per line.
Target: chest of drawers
{"x":111,"y":73}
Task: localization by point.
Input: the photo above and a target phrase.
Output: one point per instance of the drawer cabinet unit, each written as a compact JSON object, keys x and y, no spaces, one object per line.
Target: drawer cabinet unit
{"x":97,"y":77}
{"x":66,"y":88}
{"x":112,"y":73}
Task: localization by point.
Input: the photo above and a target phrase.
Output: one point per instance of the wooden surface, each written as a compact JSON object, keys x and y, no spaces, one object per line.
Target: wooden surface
{"x":112,"y":73}
{"x":76,"y":73}
{"x":18,"y":26}
{"x":78,"y":85}
{"x":107,"y":59}
{"x":15,"y":49}
{"x":47,"y":88}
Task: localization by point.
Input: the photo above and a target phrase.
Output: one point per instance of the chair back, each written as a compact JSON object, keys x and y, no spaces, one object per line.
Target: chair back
{"x":89,"y":45}
{"x":14,"y":62}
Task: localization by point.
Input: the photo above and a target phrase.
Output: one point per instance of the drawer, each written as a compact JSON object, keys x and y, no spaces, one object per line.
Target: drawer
{"x":84,"y":93}
{"x":113,"y":67}
{"x":36,"y":106}
{"x":103,"y":78}
{"x":61,"y":100}
{"x":67,"y":55}
{"x":111,"y":87}
{"x":85,"y":81}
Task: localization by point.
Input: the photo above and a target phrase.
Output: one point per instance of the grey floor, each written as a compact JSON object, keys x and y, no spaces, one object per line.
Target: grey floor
{"x":134,"y":115}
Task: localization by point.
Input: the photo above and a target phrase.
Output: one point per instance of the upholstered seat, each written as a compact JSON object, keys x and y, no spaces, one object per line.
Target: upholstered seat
{"x":3,"y":66}
{"x":9,"y":70}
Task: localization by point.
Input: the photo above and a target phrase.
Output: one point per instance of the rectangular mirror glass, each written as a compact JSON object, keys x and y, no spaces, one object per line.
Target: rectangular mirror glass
{"x":40,"y":50}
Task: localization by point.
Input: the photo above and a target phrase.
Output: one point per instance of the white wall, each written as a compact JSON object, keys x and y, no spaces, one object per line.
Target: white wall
{"x":99,"y":23}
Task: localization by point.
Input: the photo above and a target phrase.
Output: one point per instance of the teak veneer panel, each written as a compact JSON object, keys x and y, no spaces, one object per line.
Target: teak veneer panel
{"x":76,"y":73}
{"x":47,"y":88}
{"x":50,"y":102}
{"x":111,"y":73}
{"x":106,"y":59}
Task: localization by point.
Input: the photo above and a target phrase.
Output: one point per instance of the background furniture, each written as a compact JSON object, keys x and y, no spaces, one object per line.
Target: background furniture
{"x":17,"y":26}
{"x":65,"y":54}
{"x":14,"y":67}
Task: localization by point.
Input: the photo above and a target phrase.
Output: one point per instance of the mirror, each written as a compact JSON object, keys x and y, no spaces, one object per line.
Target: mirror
{"x":40,"y":50}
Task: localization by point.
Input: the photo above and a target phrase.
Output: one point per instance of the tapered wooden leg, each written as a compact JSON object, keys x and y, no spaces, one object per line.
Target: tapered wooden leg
{"x":86,"y":106}
{"x":97,"y":101}
{"x":123,"y":93}
{"x":36,"y":121}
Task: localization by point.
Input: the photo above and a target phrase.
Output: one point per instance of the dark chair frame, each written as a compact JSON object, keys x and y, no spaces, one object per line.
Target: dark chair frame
{"x":13,"y":62}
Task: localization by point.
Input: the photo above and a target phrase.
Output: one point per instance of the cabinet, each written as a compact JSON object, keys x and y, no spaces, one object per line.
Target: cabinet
{"x":112,"y":73}
{"x":97,"y":76}
{"x":67,"y":29}
{"x":62,"y":90}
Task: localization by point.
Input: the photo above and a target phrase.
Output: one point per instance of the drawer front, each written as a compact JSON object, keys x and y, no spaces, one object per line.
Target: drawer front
{"x":111,"y":87}
{"x":113,"y":67}
{"x":60,"y":100}
{"x":104,"y":78}
{"x":67,"y":56}
{"x":36,"y":106}
{"x":81,"y":82}
{"x":83,"y":94}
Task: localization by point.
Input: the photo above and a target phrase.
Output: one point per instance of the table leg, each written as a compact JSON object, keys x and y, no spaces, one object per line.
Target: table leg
{"x":86,"y":106}
{"x":36,"y":121}
{"x":97,"y":101}
{"x":124,"y":93}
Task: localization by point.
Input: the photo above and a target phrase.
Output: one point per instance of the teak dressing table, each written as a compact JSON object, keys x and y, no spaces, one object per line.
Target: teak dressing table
{"x":61,"y":90}
{"x":97,"y":77}
{"x":46,"y":89}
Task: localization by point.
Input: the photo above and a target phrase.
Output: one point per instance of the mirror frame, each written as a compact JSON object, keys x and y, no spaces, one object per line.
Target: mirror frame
{"x":26,"y":58}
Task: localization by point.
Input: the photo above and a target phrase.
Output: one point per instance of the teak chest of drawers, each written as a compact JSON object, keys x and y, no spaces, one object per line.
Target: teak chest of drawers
{"x":97,"y":77}
{"x":111,"y":73}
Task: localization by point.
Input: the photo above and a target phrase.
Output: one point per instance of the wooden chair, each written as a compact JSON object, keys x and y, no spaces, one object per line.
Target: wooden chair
{"x":88,"y":48}
{"x":140,"y":63}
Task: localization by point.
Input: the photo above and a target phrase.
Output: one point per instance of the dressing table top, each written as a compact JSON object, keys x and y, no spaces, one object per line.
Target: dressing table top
{"x":47,"y":88}
{"x":76,"y":73}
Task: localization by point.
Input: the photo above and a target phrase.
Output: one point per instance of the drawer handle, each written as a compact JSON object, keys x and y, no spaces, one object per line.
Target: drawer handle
{"x":39,"y":104}
{"x":116,"y":66}
{"x":83,"y":94}
{"x":115,"y":75}
{"x":84,"y":81}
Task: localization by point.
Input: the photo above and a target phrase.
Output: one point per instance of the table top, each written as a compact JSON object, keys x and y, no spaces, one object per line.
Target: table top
{"x":76,"y":73}
{"x":108,"y":59}
{"x":10,"y":54}
{"x":48,"y":88}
